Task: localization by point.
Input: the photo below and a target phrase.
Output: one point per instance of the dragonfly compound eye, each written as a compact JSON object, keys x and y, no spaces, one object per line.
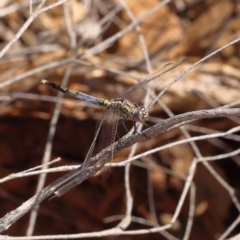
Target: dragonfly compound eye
{"x":145,"y":116}
{"x":141,"y":115}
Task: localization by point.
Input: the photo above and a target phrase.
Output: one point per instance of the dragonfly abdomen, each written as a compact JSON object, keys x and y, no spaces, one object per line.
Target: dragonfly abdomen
{"x":83,"y":96}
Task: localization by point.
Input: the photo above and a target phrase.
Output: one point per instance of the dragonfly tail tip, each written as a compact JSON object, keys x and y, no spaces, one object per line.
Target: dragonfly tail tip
{"x":44,"y":81}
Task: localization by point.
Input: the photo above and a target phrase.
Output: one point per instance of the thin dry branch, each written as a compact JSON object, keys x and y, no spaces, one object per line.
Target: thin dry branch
{"x":102,"y":158}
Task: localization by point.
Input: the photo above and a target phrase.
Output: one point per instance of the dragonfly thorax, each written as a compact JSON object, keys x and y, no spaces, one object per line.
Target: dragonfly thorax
{"x":128,"y":109}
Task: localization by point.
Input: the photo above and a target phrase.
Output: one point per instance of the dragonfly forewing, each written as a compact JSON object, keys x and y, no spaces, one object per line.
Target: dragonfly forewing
{"x":162,"y":74}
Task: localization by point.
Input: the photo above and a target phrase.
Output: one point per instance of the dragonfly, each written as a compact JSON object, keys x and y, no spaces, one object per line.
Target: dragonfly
{"x":116,"y":109}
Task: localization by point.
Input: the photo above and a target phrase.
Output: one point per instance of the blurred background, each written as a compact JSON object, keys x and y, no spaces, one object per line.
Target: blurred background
{"x":97,"y":47}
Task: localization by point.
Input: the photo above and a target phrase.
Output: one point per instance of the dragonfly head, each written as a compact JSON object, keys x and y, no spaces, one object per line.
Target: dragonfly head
{"x":141,"y":115}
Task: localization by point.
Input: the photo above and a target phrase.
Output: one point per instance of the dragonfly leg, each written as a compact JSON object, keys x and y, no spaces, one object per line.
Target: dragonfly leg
{"x":125,"y":127}
{"x":143,"y":134}
{"x":118,"y":137}
{"x":122,"y":121}
{"x":145,"y":124}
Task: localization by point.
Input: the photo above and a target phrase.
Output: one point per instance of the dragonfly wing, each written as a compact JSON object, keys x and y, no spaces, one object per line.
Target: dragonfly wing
{"x":98,"y":131}
{"x":109,"y":130}
{"x":162,"y":73}
{"x":105,"y":133}
{"x":71,"y":179}
{"x":106,"y":130}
